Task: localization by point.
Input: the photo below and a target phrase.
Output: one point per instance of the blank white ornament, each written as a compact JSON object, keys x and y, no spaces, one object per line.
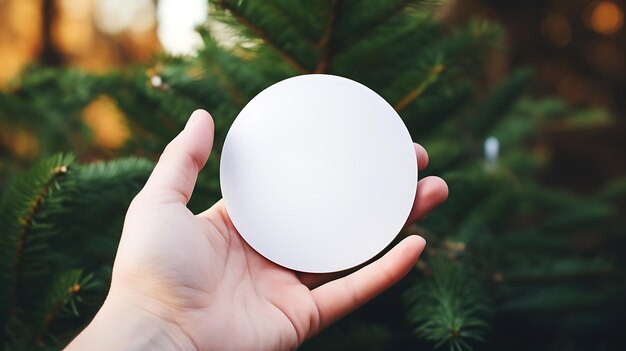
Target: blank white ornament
{"x":318,"y":173}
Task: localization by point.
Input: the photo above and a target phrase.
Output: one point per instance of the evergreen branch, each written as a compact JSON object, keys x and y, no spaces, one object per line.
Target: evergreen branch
{"x":230,"y":88}
{"x":379,"y":22}
{"x":560,"y":298}
{"x":305,"y":22}
{"x":412,"y":95}
{"x":325,"y":41}
{"x":36,"y":205}
{"x":263,"y":36}
{"x":404,"y":39}
{"x":449,"y":307}
{"x":466,"y":48}
{"x":500,"y":101}
{"x":62,"y":291}
{"x":26,"y":221}
{"x":556,"y":270}
{"x":105,"y":189}
{"x":222,"y":77}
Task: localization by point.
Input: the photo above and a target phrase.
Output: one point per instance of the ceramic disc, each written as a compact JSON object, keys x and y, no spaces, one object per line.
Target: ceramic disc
{"x":318,"y":173}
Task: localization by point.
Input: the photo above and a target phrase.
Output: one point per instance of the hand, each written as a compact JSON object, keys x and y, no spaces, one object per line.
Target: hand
{"x":185,"y":281}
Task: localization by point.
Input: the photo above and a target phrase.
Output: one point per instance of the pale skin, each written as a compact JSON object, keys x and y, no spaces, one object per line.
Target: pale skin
{"x":190,"y":282}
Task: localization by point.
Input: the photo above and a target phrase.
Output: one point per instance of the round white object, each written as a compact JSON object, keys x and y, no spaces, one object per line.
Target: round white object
{"x":318,"y":173}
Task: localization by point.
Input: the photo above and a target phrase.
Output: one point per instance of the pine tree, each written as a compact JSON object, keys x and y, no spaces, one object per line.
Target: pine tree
{"x":505,"y":252}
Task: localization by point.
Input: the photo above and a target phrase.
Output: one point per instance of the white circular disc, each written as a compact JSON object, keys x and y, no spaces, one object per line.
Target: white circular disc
{"x":318,"y":173}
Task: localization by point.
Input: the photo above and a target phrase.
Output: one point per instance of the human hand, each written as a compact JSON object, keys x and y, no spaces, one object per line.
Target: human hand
{"x":185,"y":281}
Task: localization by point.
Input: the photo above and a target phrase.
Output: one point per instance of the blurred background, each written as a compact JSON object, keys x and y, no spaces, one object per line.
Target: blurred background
{"x":576,"y":47}
{"x":521,"y":104}
{"x":94,"y":36}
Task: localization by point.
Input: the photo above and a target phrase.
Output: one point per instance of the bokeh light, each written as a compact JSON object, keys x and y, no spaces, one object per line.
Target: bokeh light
{"x":605,"y":17}
{"x":557,"y":29}
{"x":107,"y":123}
{"x":177,"y":22}
{"x":20,"y":41}
{"x":115,"y":16}
{"x":73,"y":32}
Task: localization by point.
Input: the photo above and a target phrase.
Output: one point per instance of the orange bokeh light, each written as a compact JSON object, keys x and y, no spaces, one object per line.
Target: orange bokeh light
{"x":107,"y":123}
{"x":20,"y":28}
{"x":606,"y":17}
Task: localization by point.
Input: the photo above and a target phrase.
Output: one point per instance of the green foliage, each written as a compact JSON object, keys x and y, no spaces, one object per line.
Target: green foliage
{"x":48,"y":243}
{"x":449,"y":307}
{"x":500,"y":101}
{"x":503,"y":245}
{"x":24,"y":243}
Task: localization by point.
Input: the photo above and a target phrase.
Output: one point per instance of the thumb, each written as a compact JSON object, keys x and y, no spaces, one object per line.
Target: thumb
{"x":174,"y":176}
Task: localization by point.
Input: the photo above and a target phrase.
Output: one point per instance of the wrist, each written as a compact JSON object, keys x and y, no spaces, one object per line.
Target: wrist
{"x":121,"y":324}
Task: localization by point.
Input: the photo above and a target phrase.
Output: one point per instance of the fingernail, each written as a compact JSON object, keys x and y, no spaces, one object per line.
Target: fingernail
{"x":195,"y":116}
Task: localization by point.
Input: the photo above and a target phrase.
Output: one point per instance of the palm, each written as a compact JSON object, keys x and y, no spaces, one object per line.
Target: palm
{"x":214,"y":285}
{"x":266,"y":304}
{"x":270,"y":306}
{"x":207,"y":270}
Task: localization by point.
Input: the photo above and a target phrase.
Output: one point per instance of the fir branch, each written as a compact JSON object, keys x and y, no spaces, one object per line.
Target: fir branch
{"x":449,"y":307}
{"x":99,"y":190}
{"x":398,"y":8}
{"x":557,"y":270}
{"x":561,"y":298}
{"x":500,"y":101}
{"x":412,"y":95}
{"x":60,"y":295}
{"x":263,"y":36}
{"x":307,"y":23}
{"x":218,"y":72}
{"x":26,"y":220}
{"x":325,"y":42}
{"x":230,"y":88}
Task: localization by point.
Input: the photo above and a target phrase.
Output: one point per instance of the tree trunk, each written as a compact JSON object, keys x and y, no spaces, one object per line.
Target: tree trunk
{"x":50,"y":55}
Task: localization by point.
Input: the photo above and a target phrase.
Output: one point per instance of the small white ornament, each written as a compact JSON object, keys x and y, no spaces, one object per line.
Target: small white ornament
{"x":318,"y":173}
